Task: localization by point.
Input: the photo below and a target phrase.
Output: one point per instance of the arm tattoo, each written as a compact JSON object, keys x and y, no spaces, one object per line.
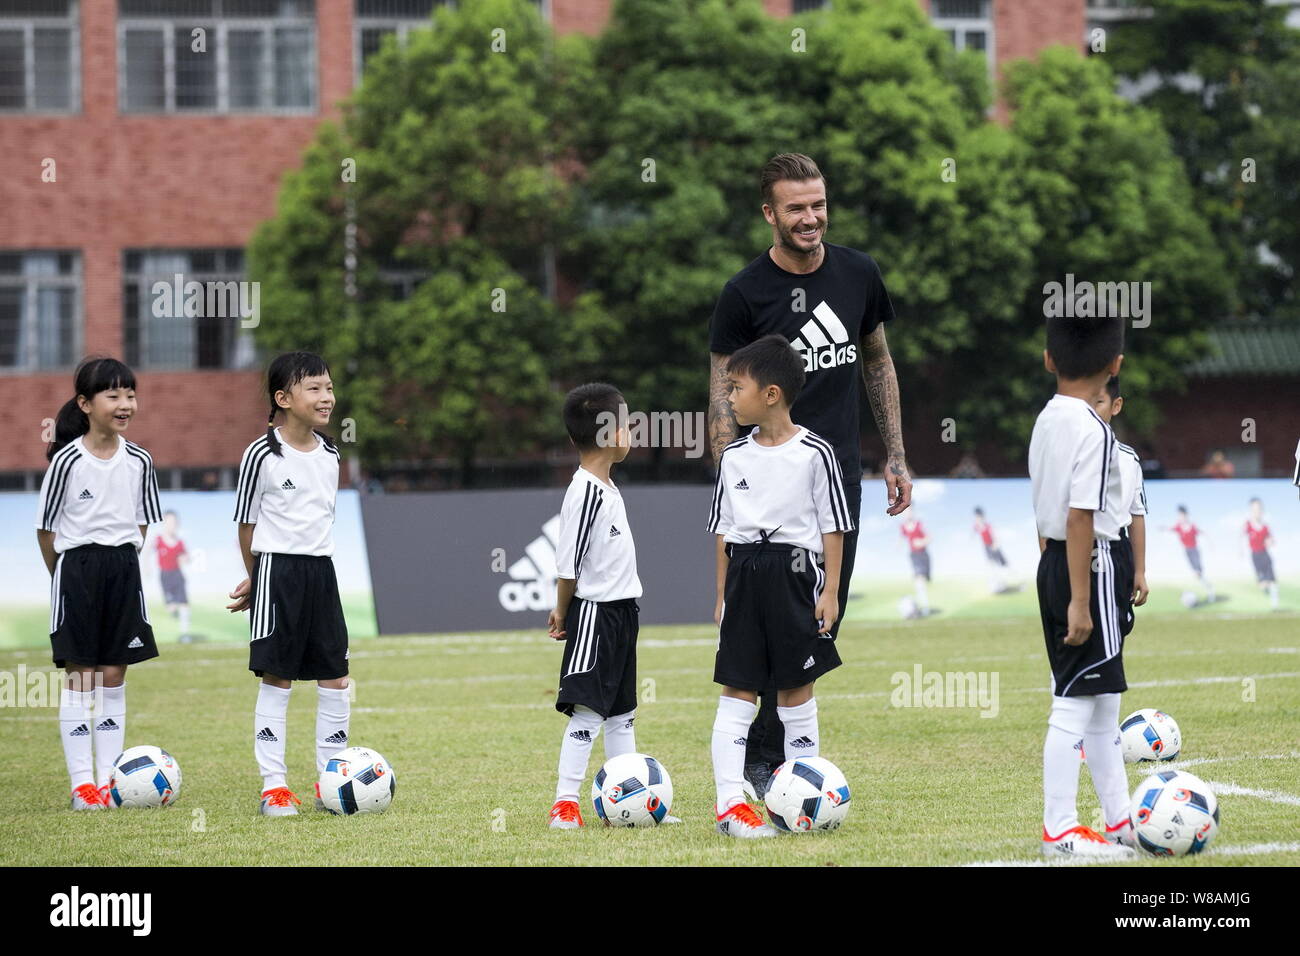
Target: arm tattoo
{"x":882,"y":391}
{"x":722,"y":420}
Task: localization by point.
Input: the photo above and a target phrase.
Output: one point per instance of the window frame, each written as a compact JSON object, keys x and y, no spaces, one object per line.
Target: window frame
{"x":29,"y":23}
{"x":31,"y":285}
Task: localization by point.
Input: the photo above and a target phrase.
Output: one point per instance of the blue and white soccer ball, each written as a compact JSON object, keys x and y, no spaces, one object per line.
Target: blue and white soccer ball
{"x":356,"y":780}
{"x":1190,"y":599}
{"x":1174,"y":813}
{"x":1150,"y":734}
{"x":632,"y":790}
{"x":144,"y":776}
{"x":807,"y":793}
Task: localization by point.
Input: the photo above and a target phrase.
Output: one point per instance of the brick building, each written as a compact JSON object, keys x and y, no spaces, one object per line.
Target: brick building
{"x":129,"y":159}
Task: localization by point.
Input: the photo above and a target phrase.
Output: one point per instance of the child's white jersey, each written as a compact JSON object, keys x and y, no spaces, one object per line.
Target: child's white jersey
{"x":90,"y":500}
{"x":289,"y":497}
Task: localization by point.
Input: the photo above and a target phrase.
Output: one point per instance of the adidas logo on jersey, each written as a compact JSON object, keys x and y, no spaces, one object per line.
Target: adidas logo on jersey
{"x":824,"y":341}
{"x":802,"y":742}
{"x":582,"y":735}
{"x":81,"y":731}
{"x":338,"y":737}
{"x":808,"y":663}
{"x":108,"y":723}
{"x":613,"y":532}
{"x":266,"y":735}
{"x":742,"y":485}
{"x":288,"y":485}
{"x":85,"y":495}
{"x":136,"y":642}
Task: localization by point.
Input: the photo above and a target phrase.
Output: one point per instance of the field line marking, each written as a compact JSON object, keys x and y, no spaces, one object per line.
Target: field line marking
{"x":1248,"y":849}
{"x":1272,"y":796}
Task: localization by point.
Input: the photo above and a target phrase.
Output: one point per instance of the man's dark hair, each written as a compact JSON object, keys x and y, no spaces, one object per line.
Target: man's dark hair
{"x":583,"y":410}
{"x":1112,"y":387}
{"x":1082,"y":347}
{"x":792,"y":166}
{"x":770,"y":361}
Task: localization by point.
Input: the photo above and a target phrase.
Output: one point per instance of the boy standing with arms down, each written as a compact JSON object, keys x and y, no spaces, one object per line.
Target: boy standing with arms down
{"x":779,"y":507}
{"x":1084,"y":586}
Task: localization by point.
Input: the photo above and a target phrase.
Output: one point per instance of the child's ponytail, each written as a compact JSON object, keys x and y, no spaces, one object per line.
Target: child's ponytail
{"x":69,"y":425}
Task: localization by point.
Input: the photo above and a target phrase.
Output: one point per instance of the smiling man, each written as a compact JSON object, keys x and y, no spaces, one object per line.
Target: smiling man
{"x":830,"y":303}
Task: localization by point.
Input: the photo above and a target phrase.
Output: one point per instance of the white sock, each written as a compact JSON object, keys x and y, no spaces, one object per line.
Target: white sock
{"x":270,"y":719}
{"x":1065,"y":730}
{"x":1101,"y":745}
{"x":575,"y":750}
{"x":922,"y":596}
{"x":1272,"y":592}
{"x":800,"y":729}
{"x":74,"y":728}
{"x":620,"y":738}
{"x":332,"y":713}
{"x":184,"y":614}
{"x":110,"y":731}
{"x":730,"y":728}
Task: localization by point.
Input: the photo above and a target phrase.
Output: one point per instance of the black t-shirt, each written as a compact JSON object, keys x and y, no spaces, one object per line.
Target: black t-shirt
{"x":843,"y":300}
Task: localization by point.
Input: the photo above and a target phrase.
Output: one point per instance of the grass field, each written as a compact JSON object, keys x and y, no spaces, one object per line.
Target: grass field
{"x":468,"y":723}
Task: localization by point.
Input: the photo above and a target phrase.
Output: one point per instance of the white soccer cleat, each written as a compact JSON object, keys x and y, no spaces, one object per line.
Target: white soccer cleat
{"x":1083,"y":843}
{"x":565,"y":815}
{"x":744,"y":822}
{"x":279,"y":802}
{"x":86,"y":797}
{"x":1122,"y":834}
{"x":106,"y":797}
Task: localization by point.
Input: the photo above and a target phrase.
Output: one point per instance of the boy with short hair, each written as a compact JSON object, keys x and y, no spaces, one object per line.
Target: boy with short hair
{"x":595,"y":613}
{"x":779,"y":509}
{"x":1084,"y":586}
{"x":1130,"y":521}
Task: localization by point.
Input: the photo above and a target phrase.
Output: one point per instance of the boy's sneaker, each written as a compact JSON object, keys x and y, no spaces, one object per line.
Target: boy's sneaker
{"x":86,"y":797}
{"x":744,"y":822}
{"x":1084,"y":843}
{"x":106,"y":797}
{"x":565,"y":815}
{"x":279,"y":802}
{"x":1122,"y":833}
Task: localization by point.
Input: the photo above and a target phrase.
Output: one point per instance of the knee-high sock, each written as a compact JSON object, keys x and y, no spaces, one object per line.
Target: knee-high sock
{"x":1106,"y":759}
{"x":1065,"y":730}
{"x":270,"y":719}
{"x":801,"y":738}
{"x":110,"y":731}
{"x":729,"y":729}
{"x":575,"y":751}
{"x":922,"y":595}
{"x":74,"y":729}
{"x":333,"y":709}
{"x":183,"y":612}
{"x":620,"y":738}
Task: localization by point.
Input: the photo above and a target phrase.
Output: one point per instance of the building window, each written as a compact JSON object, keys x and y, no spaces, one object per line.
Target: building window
{"x":377,"y":19}
{"x":968,"y":24}
{"x":807,"y":6}
{"x":217,"y":56}
{"x":40,"y":310}
{"x":40,"y":56}
{"x":187,"y":308}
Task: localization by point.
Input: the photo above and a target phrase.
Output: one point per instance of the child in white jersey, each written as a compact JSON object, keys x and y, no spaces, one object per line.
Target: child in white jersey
{"x":284,"y":505}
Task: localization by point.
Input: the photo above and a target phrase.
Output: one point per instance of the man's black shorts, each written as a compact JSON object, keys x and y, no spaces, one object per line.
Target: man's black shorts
{"x":1096,"y":666}
{"x":599,"y":665}
{"x":97,"y":609}
{"x":296,"y":625}
{"x":768,"y":637}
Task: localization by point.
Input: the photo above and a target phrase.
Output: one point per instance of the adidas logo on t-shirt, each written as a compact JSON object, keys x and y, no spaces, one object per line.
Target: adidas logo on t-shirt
{"x":106,"y":724}
{"x":808,"y":663}
{"x":824,"y":341}
{"x":136,"y":642}
{"x":85,"y":495}
{"x":289,"y":485}
{"x":81,"y":731}
{"x":338,"y":737}
{"x":742,"y":485}
{"x":265,"y":734}
{"x":613,"y":532}
{"x":583,"y":735}
{"x":802,"y":742}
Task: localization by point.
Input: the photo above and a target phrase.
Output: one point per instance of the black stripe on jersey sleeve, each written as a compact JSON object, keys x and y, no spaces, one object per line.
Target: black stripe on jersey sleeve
{"x":61,"y":468}
{"x":715,"y":510}
{"x":148,"y":484}
{"x":1107,"y":441}
{"x":591,"y":502}
{"x":249,"y":470}
{"x":839,"y":504}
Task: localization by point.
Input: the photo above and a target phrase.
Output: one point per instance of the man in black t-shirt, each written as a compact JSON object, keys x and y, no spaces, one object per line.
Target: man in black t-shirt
{"x":830,"y":302}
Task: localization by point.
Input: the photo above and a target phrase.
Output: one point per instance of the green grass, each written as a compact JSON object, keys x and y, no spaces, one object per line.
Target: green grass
{"x":469,"y":724}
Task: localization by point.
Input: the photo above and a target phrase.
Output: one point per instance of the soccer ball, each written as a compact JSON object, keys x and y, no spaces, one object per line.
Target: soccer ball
{"x":1150,"y":735}
{"x":1173,"y":813}
{"x":907,"y":608}
{"x":632,"y":790}
{"x":144,"y":777}
{"x":808,"y":793}
{"x":1190,"y":599}
{"x":356,"y":780}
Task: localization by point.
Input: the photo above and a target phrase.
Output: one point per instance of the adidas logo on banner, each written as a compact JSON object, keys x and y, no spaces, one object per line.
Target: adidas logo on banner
{"x":824,"y":341}
{"x":136,"y":642}
{"x":85,"y":495}
{"x":82,"y":731}
{"x":338,"y":737}
{"x":289,"y":485}
{"x":107,"y":724}
{"x":266,"y":735}
{"x":613,"y":532}
{"x":808,"y":663}
{"x":532,"y":578}
{"x":802,"y":742}
{"x":742,"y":485}
{"x":583,"y":735}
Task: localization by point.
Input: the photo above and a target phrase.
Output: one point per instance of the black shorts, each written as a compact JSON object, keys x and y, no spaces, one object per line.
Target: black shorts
{"x":173,"y":586}
{"x":1097,"y":665}
{"x":995,"y":555}
{"x":296,"y":625}
{"x":921,"y":563}
{"x":599,"y":665}
{"x":97,"y":609}
{"x":768,"y":638}
{"x":1263,"y":566}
